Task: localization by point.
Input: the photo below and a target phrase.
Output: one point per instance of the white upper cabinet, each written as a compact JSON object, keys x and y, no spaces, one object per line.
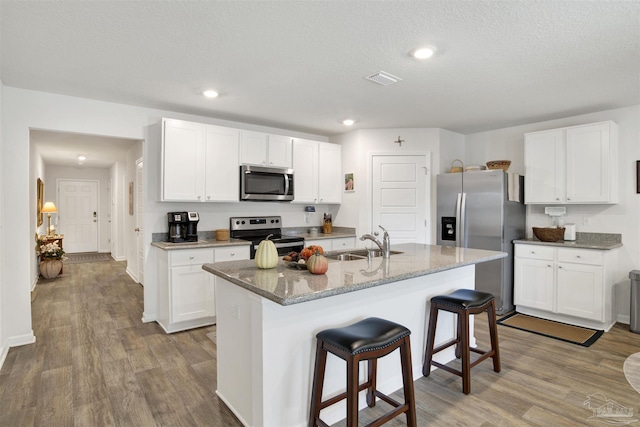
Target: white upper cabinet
{"x":267,"y":150}
{"x":182,"y":160}
{"x":329,"y":173}
{"x":572,"y":165}
{"x":198,"y":161}
{"x":305,"y":171}
{"x":222,"y":183}
{"x":317,"y":167}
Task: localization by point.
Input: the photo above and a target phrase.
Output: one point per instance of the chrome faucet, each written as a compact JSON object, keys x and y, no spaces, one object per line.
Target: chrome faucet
{"x":385,"y":246}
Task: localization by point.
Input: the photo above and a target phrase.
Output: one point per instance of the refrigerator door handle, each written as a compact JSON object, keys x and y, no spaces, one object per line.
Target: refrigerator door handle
{"x":463,"y":219}
{"x":458,"y":219}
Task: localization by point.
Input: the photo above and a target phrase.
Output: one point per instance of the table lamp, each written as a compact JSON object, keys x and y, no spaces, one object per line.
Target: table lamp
{"x":49,"y":208}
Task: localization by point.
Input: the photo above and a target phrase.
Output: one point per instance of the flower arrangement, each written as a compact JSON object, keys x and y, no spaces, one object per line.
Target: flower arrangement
{"x":52,"y":250}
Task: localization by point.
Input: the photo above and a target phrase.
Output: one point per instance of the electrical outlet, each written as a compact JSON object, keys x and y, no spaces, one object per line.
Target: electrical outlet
{"x":586,"y":220}
{"x":235,"y":311}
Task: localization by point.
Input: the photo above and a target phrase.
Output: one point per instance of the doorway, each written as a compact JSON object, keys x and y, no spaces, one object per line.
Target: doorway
{"x":400,"y":193}
{"x":78,"y":214}
{"x":139,"y":220}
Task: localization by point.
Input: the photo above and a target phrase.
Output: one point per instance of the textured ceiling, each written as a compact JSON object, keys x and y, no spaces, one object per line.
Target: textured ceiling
{"x":300,"y":64}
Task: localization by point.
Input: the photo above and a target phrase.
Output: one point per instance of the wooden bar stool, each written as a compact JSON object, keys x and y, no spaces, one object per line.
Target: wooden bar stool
{"x":462,"y":302}
{"x":368,"y":339}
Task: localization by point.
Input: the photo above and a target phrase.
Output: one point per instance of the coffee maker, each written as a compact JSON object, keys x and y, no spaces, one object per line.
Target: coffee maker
{"x":192,"y":226}
{"x":177,"y":226}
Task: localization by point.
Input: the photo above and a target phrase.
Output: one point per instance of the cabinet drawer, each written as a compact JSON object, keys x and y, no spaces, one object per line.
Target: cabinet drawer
{"x":535,"y":252}
{"x":343,"y":243}
{"x":581,"y":256}
{"x":232,"y":253}
{"x":191,"y":256}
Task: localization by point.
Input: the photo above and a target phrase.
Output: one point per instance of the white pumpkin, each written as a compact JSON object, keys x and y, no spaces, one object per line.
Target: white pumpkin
{"x":266,"y":254}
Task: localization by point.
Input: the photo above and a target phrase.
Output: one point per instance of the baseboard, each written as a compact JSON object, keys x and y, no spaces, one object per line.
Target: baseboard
{"x":130,"y":273}
{"x":4,"y":350}
{"x":118,"y":258}
{"x":21,"y":340}
{"x":149,"y":317}
{"x":624,"y":318}
{"x":33,"y":285}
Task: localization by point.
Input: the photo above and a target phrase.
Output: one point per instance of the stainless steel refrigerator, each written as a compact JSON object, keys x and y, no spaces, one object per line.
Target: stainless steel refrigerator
{"x":474,"y":211}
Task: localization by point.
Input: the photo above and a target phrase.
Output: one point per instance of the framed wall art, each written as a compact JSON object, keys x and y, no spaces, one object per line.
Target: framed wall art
{"x":349,"y":183}
{"x":39,"y":201}
{"x":131,"y":198}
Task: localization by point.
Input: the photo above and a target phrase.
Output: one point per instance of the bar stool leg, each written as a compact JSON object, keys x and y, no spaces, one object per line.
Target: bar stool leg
{"x":318,"y":384}
{"x":493,"y":333}
{"x":352,"y":392}
{"x":431,"y":337}
{"x":466,"y":357}
{"x":372,"y":370}
{"x":407,"y":380}
{"x":458,"y":334}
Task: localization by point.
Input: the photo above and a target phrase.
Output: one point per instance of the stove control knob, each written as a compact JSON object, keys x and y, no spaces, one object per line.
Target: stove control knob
{"x":237,"y":222}
{"x":272,"y":221}
{"x":243,"y":222}
{"x":277,"y":221}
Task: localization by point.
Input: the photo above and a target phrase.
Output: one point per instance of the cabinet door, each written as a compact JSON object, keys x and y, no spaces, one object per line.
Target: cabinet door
{"x":544,"y":167}
{"x":182,"y":160}
{"x":222,"y":164}
{"x":192,"y":293}
{"x":253,"y":148}
{"x":588,"y":161}
{"x":329,"y":173}
{"x":305,"y":171}
{"x":534,"y":284}
{"x":580,"y":291}
{"x":279,"y":151}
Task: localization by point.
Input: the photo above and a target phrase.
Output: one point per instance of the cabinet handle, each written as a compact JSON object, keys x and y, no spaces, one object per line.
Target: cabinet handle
{"x":548,"y":265}
{"x":199,"y":197}
{"x":233,"y":254}
{"x":191,"y":257}
{"x":208,"y":197}
{"x":557,"y":198}
{"x":533,"y":252}
{"x":577,"y":256}
{"x":559,"y":266}
{"x":568,"y":198}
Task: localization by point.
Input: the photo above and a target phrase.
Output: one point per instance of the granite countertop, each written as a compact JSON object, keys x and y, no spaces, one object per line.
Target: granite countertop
{"x":285,"y":285}
{"x":211,"y":243}
{"x":601,"y":241}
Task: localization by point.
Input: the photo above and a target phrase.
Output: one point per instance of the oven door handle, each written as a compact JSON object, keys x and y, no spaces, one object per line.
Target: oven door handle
{"x":284,"y":245}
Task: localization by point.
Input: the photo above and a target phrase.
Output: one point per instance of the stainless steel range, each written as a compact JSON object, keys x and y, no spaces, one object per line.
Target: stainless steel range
{"x":256,"y":229}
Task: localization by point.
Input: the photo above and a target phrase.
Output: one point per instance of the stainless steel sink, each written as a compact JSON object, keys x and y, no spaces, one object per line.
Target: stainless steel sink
{"x":358,"y":254}
{"x":346,"y":257}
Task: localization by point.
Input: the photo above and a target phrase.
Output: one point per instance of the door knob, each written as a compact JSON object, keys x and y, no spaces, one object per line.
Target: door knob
{"x":136,"y":229}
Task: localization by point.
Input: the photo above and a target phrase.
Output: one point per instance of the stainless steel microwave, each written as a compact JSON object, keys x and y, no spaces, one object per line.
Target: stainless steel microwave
{"x":266,"y":184}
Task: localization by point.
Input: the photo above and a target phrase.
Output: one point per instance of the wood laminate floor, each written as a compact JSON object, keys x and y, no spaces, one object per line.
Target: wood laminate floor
{"x":96,"y":364}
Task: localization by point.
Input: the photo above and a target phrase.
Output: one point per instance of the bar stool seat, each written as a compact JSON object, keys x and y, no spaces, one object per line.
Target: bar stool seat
{"x":368,"y":339}
{"x":462,"y":302}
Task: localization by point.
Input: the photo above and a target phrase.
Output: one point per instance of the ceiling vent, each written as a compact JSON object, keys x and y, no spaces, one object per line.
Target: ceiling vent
{"x":383,"y":78}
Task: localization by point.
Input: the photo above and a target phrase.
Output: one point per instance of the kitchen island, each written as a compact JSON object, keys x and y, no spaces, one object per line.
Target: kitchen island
{"x":267,"y":321}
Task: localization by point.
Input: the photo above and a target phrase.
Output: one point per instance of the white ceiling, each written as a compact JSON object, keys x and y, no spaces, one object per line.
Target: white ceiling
{"x":63,"y":149}
{"x":300,"y":65}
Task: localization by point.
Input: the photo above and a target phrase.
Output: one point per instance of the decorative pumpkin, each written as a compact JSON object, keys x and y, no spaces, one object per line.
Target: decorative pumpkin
{"x":310,"y":250}
{"x":317,"y":264}
{"x":266,"y":254}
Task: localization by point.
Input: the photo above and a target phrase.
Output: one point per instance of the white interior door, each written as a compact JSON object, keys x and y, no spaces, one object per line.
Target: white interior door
{"x":399,"y":200}
{"x":78,"y":215}
{"x":139,"y":221}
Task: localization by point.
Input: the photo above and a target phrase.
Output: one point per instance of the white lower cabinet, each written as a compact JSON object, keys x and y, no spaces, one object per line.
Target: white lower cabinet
{"x":186,"y":292}
{"x":568,"y":285}
{"x":337,"y":244}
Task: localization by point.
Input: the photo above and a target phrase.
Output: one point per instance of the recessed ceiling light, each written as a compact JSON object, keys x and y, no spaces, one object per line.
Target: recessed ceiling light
{"x":348,"y":122}
{"x":82,"y":158}
{"x":423,"y":52}
{"x":210,"y":93}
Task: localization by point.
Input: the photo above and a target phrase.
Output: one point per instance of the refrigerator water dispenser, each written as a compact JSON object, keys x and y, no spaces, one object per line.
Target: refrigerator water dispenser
{"x":448,"y":228}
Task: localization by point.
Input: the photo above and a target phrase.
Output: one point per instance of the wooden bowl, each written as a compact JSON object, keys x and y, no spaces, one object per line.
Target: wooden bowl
{"x":222,"y":234}
{"x":549,"y":234}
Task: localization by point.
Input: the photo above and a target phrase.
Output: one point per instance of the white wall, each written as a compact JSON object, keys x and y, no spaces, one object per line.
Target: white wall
{"x":622,"y":218}
{"x":4,"y":348}
{"x":24,"y":110}
{"x":55,"y":173}
{"x":357,"y":148}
